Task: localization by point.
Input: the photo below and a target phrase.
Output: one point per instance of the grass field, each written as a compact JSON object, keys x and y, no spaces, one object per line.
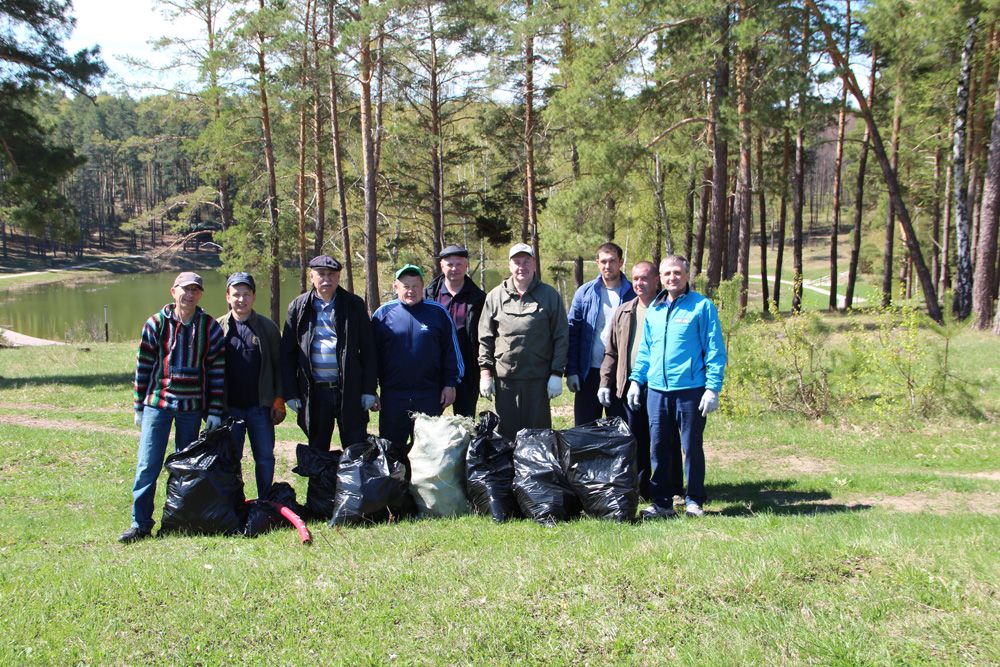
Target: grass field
{"x":839,"y":541}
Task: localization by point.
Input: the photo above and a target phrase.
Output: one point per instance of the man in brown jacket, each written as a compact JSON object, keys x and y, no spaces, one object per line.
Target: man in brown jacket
{"x":623,"y":343}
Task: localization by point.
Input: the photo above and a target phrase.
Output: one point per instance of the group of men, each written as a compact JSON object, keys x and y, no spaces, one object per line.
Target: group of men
{"x":656,"y":360}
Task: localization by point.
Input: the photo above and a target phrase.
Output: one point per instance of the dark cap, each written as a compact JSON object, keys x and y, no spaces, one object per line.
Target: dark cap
{"x":241,"y":278}
{"x":454,"y":251}
{"x":188,"y":278}
{"x":410,"y":270}
{"x":324,"y":262}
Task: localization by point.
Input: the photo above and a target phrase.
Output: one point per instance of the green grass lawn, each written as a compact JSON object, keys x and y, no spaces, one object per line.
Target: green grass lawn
{"x":839,"y":541}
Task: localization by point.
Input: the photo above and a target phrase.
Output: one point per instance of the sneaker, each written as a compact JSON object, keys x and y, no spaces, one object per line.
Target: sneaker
{"x":656,"y":512}
{"x":134,"y":535}
{"x":693,"y":509}
{"x":679,"y":501}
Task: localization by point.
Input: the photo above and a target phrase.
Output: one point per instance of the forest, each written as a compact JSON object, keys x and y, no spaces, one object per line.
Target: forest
{"x":735,"y":133}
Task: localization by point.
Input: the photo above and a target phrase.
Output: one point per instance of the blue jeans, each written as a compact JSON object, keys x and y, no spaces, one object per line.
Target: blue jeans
{"x":257,"y":422}
{"x":674,"y":420}
{"x":152,"y":450}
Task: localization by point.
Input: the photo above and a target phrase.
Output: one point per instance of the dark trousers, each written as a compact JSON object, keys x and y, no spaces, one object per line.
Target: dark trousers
{"x":325,"y":411}
{"x":467,"y":393}
{"x":586,"y":407}
{"x":675,"y":424}
{"x":394,"y":422}
{"x":638,"y":423}
{"x":522,"y":404}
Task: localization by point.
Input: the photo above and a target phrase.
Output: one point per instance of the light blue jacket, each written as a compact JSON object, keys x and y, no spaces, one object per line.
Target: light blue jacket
{"x":682,"y":345}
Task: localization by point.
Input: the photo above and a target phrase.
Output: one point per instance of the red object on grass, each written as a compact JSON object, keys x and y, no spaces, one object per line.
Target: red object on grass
{"x":293,"y":519}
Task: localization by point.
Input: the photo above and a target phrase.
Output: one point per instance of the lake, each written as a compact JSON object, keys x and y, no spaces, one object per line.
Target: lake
{"x":74,"y":310}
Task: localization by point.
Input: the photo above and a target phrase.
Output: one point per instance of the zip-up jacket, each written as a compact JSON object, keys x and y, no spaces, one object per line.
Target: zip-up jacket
{"x":583,"y":314}
{"x":523,"y":337}
{"x":614,"y":368}
{"x":180,"y":367}
{"x":269,"y":385}
{"x":468,"y":336}
{"x":417,"y":347}
{"x":355,"y":353}
{"x":682,"y":345}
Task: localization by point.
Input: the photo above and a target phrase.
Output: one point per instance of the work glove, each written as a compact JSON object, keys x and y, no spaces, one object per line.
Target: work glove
{"x":277,"y":410}
{"x":213,"y":422}
{"x":367,"y":402}
{"x":486,"y":388}
{"x":709,"y":402}
{"x":632,"y":397}
{"x":604,"y":396}
{"x":555,"y":386}
{"x":573,"y":383}
{"x":138,"y":418}
{"x":294,"y":404}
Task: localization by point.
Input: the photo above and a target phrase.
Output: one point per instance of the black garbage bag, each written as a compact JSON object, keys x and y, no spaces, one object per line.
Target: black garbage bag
{"x":321,"y":469}
{"x":261,"y":516}
{"x":543,"y":493}
{"x":371,"y":484}
{"x":205,"y":487}
{"x":489,"y":470}
{"x":599,"y":461}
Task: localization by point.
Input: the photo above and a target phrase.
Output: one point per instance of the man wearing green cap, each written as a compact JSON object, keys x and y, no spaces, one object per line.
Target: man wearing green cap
{"x":419,"y":362}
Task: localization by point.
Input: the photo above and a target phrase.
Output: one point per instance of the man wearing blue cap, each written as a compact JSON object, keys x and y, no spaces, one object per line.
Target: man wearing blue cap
{"x":328,"y":363}
{"x":419,"y":362}
{"x":253,"y":376}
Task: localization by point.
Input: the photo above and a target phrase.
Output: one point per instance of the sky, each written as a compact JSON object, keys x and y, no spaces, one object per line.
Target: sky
{"x":125,"y":28}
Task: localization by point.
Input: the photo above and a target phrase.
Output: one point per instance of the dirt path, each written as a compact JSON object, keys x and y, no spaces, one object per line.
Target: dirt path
{"x":20,"y":340}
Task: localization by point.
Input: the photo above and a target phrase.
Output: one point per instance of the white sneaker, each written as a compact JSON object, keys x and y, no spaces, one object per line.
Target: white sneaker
{"x":693,"y":509}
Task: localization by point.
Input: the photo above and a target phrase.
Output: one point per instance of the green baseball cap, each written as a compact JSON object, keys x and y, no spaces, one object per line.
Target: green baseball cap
{"x":410,"y":270}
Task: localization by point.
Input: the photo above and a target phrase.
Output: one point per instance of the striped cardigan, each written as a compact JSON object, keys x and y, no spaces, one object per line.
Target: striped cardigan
{"x":180,"y":367}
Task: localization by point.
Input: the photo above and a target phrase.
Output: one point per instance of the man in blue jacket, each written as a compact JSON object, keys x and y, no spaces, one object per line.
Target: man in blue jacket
{"x":419,"y":362}
{"x":589,"y":330}
{"x":682,"y":360}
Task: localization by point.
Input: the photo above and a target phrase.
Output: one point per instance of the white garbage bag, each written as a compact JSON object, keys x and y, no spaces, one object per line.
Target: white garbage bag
{"x":437,"y":465}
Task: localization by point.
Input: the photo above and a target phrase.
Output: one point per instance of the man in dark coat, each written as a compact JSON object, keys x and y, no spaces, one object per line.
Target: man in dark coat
{"x":329,"y":370}
{"x":463,"y":299}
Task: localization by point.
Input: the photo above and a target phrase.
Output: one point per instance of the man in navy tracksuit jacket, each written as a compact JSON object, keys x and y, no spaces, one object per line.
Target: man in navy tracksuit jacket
{"x":419,"y":363}
{"x":590,"y":318}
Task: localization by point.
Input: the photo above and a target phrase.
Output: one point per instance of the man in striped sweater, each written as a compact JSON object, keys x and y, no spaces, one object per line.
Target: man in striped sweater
{"x":179,"y":378}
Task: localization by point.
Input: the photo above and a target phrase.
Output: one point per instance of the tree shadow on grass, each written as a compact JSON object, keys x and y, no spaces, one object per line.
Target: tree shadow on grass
{"x":775,"y":496}
{"x":88,"y":381}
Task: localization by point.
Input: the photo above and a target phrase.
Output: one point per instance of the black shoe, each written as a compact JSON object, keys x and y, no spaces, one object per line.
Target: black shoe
{"x":134,"y":535}
{"x":656,"y":512}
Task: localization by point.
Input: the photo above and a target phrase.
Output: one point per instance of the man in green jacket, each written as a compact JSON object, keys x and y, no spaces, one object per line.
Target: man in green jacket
{"x":253,"y":376}
{"x":523,"y":340}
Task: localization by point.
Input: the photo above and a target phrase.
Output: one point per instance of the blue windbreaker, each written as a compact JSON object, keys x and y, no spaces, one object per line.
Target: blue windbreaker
{"x":416,"y":347}
{"x":582,"y":316}
{"x":682,"y":345}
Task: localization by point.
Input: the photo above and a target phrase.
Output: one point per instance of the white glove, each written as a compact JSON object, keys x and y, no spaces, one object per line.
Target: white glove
{"x":632,"y":397}
{"x":573,"y":383}
{"x":294,"y":404}
{"x":709,"y":402}
{"x":138,"y":418}
{"x":604,"y":396}
{"x":213,"y":422}
{"x":555,"y":386}
{"x":367,"y":401}
{"x":486,"y":388}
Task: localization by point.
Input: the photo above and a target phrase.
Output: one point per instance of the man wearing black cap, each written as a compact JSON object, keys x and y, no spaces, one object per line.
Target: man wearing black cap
{"x":419,"y":364}
{"x":463,"y":299}
{"x":253,"y":376}
{"x":328,"y":364}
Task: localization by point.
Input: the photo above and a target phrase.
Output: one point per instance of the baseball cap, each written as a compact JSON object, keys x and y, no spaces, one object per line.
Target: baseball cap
{"x":519,"y":248}
{"x":410,"y":270}
{"x":186,"y":278}
{"x":454,"y":251}
{"x":241,"y":278}
{"x":324,"y":262}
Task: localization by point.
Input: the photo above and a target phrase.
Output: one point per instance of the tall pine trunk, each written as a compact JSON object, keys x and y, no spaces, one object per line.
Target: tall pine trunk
{"x":437,"y":167}
{"x":370,"y":175}
{"x":706,"y":196}
{"x":317,"y":131}
{"x":786,"y":158}
{"x":986,"y":256}
{"x":301,"y":182}
{"x":762,"y":214}
{"x":742,"y":204}
{"x":890,"y":221}
{"x":839,"y":168}
{"x":338,"y":169}
{"x":798,"y":194}
{"x":531,"y":202}
{"x":272,"y":183}
{"x":720,"y":156}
